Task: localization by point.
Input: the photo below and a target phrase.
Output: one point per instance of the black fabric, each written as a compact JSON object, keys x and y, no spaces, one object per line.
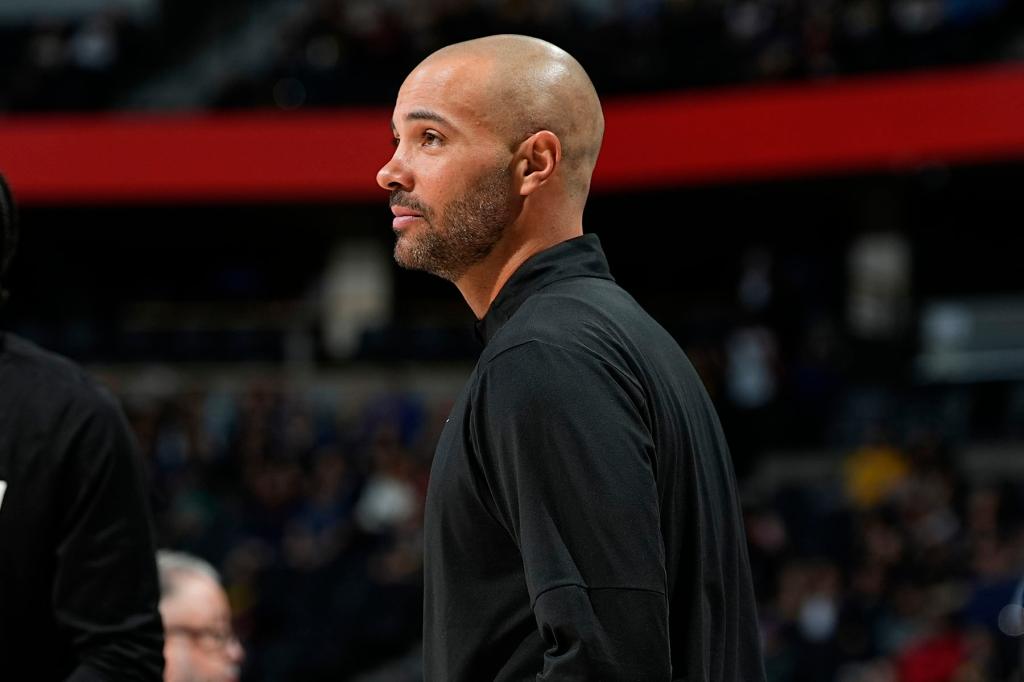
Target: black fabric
{"x":78,"y":585}
{"x":8,"y":233}
{"x":582,"y":519}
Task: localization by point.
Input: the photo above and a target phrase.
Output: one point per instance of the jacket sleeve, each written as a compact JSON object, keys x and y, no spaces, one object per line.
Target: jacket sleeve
{"x":570,"y":463}
{"x":105,"y":592}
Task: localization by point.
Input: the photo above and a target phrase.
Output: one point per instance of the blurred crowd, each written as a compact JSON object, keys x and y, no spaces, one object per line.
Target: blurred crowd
{"x":347,"y":52}
{"x":904,"y":571}
{"x":896,"y":567}
{"x":336,"y":52}
{"x":60,"y":66}
{"x":310,"y":508}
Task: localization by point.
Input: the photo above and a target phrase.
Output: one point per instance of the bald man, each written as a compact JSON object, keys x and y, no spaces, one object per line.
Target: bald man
{"x":582,"y":520}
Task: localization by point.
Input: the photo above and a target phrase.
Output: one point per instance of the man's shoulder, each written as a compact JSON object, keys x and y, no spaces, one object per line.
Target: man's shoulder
{"x":583,"y":314}
{"x":24,"y":360}
{"x":32,"y":374}
{"x":544,"y":362}
{"x":568,"y":305}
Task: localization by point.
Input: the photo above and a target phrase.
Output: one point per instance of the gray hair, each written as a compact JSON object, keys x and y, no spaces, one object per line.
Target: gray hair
{"x":172,"y":566}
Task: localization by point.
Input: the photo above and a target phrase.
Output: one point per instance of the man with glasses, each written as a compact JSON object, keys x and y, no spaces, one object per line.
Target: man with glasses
{"x":200,"y":645}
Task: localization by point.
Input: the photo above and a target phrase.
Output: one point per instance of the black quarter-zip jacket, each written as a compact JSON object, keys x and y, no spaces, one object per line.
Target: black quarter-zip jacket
{"x":582,"y":519}
{"x":78,"y":585}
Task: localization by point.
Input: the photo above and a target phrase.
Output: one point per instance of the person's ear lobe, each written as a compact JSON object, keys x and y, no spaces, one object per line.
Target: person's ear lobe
{"x":540,"y":155}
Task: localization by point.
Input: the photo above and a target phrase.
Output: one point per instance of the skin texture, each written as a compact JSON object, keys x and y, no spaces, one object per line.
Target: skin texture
{"x":495,"y":143}
{"x":198,"y":602}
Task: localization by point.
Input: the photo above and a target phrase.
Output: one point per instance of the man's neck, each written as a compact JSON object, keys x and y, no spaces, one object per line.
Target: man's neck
{"x":482,"y":283}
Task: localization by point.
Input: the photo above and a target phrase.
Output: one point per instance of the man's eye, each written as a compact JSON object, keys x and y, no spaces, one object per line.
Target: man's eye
{"x":394,"y":142}
{"x":431,"y":139}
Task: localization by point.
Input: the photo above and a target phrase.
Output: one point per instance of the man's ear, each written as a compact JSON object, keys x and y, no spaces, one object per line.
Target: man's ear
{"x":539,"y":155}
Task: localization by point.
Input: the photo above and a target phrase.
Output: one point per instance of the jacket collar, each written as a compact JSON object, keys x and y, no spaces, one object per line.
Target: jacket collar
{"x":577,"y":257}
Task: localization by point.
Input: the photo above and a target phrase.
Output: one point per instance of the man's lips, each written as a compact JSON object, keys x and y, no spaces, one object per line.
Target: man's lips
{"x":404,"y":217}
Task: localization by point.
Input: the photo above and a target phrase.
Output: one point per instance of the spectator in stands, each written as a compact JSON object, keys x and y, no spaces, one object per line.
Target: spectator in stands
{"x":201,"y":645}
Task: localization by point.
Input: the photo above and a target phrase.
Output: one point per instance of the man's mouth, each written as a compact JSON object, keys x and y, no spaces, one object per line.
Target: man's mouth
{"x":404,"y":217}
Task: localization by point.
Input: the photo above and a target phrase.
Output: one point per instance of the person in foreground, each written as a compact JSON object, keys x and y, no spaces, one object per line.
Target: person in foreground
{"x":78,"y":587}
{"x":200,"y":645}
{"x":582,"y":520}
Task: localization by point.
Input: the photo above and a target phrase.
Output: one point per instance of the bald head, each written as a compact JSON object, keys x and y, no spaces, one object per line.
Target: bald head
{"x":523,"y":85}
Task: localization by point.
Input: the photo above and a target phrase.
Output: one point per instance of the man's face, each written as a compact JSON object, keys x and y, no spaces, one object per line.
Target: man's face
{"x":200,"y":645}
{"x":450,"y":176}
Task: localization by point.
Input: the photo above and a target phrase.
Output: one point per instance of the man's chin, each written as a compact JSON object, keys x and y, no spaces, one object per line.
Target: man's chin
{"x":408,"y":256}
{"x":403,"y":256}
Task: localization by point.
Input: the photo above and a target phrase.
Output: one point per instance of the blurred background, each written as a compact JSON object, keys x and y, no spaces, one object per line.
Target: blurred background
{"x":818,"y":199}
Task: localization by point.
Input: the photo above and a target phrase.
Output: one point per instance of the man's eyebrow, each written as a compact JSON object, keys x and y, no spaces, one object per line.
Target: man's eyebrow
{"x":426,"y":115}
{"x":422,"y":115}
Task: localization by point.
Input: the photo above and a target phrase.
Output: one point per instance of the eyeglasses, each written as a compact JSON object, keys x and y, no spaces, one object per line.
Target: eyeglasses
{"x":210,"y":639}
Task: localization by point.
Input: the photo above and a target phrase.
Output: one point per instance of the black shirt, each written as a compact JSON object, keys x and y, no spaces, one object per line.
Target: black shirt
{"x":582,"y":520}
{"x":78,"y":586}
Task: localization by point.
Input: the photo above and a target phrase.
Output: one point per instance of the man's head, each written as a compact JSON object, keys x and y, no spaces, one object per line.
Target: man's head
{"x":491,"y":135}
{"x":8,"y":234}
{"x":200,"y":645}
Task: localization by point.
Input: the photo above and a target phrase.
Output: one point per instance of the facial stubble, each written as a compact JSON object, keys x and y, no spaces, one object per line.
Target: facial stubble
{"x":469,"y":228}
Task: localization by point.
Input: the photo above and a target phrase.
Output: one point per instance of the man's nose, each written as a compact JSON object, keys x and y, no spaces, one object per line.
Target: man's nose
{"x":394,"y":175}
{"x":235,"y":652}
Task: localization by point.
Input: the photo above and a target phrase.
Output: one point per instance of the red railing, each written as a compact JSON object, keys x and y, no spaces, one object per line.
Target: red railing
{"x":893,"y":122}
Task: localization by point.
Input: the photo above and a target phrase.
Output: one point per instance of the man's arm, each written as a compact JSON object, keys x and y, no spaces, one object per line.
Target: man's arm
{"x":105,"y":591}
{"x":571,"y":465}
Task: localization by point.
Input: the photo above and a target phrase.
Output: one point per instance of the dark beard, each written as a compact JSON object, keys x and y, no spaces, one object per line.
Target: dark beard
{"x":471,"y":226}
